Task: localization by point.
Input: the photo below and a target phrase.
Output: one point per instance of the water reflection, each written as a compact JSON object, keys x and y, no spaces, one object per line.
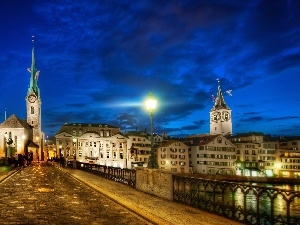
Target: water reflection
{"x":251,"y":203}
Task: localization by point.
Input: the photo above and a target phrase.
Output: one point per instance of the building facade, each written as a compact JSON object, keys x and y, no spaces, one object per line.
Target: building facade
{"x":138,"y":148}
{"x":288,"y":158}
{"x":92,"y":143}
{"x":255,"y":156}
{"x":173,"y":156}
{"x":211,"y":154}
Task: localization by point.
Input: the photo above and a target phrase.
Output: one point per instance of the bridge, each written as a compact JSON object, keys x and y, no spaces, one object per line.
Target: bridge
{"x":45,"y":180}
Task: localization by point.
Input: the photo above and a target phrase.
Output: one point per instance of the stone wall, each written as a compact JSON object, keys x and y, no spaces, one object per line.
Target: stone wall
{"x":155,"y":182}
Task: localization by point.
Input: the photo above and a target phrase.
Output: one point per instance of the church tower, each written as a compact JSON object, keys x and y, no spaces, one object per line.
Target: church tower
{"x":220,"y":116}
{"x":33,"y":103}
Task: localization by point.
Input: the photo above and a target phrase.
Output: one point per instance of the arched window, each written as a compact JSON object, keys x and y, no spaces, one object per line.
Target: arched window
{"x":32,"y":109}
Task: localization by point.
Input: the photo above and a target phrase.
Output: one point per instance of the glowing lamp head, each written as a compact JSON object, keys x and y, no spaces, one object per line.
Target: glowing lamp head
{"x":151,"y":103}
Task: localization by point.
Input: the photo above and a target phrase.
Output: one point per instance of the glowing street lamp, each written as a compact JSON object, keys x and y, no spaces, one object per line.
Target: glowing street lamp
{"x":60,"y":159}
{"x":151,"y":105}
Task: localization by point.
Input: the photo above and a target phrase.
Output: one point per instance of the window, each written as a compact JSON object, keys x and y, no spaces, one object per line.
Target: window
{"x":182,"y":150}
{"x":32,"y":110}
{"x":173,"y":156}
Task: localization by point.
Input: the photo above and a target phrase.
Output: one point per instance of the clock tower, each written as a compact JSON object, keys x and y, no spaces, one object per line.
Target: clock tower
{"x":220,"y":116}
{"x":33,"y":104}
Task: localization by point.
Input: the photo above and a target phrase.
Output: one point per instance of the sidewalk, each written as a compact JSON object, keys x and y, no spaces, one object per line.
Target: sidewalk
{"x":157,"y":210}
{"x":6,"y":171}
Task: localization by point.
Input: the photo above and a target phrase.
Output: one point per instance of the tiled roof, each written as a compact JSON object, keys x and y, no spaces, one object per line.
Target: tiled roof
{"x":14,"y":122}
{"x":201,"y":139}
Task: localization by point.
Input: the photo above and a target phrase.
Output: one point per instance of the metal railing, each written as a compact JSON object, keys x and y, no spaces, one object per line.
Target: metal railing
{"x":125,"y":176}
{"x":250,"y":204}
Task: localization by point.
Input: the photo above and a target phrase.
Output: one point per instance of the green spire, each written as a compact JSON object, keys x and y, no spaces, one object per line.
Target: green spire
{"x":34,"y":74}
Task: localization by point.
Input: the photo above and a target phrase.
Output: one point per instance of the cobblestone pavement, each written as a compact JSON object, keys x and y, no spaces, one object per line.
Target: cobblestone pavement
{"x":43,"y":194}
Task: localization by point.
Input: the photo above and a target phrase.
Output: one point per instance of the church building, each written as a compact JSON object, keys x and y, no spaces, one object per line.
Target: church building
{"x":25,"y":137}
{"x":220,"y":116}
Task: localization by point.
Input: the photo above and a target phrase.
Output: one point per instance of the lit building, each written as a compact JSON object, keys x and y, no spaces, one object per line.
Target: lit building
{"x":92,"y":143}
{"x":25,"y":136}
{"x":138,"y":148}
{"x":50,"y":149}
{"x":288,"y":158}
{"x":211,"y":154}
{"x":267,"y":158}
{"x":173,"y":155}
{"x":254,"y":156}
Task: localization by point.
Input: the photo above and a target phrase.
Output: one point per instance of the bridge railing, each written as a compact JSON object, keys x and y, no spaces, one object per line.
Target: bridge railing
{"x":125,"y":176}
{"x":250,"y":204}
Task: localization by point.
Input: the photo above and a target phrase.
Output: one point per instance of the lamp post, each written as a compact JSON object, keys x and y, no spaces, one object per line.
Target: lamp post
{"x":75,"y":151}
{"x":6,"y":145}
{"x":60,"y":159}
{"x":151,"y":105}
{"x":37,"y":140}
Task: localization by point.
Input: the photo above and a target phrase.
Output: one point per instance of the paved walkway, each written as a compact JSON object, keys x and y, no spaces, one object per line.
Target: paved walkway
{"x":159,"y":211}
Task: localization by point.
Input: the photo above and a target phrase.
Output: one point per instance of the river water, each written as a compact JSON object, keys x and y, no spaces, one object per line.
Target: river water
{"x":286,"y":201}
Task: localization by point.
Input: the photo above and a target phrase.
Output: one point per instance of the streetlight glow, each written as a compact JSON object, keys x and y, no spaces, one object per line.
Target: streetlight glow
{"x":151,"y":103}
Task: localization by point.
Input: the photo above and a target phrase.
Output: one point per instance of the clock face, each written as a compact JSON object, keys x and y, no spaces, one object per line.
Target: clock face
{"x":31,"y":98}
{"x":215,"y":116}
{"x":225,"y":116}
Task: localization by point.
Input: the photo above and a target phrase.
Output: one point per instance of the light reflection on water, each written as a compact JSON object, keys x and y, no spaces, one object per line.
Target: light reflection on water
{"x":280,"y":200}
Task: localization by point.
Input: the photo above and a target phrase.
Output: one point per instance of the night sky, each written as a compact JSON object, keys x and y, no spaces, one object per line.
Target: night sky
{"x":99,"y":60}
